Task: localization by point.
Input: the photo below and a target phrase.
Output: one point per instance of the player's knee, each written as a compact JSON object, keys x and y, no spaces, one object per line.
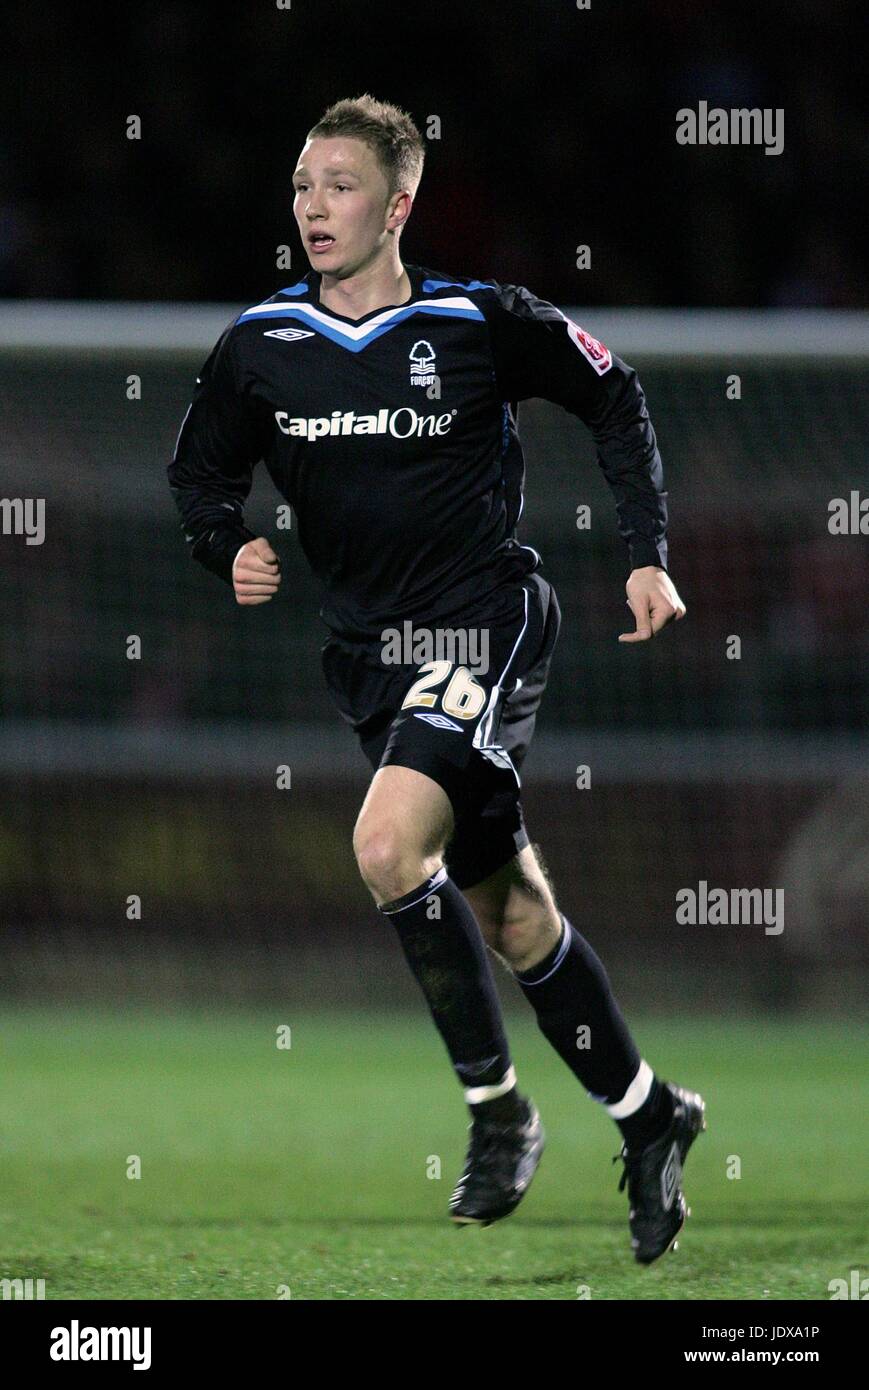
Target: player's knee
{"x":375,"y":852}
{"x":389,"y":864}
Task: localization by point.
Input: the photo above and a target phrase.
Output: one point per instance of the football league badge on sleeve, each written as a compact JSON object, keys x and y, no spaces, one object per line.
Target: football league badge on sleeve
{"x":598,"y":355}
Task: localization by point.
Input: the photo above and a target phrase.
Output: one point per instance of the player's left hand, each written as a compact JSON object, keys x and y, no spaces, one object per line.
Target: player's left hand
{"x":653,"y":600}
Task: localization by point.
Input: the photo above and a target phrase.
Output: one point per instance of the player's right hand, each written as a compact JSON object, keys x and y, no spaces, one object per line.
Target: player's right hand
{"x":256,"y":572}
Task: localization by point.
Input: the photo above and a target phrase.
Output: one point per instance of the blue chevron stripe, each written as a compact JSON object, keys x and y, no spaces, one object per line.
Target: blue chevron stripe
{"x":338,"y":333}
{"x":429,"y":286}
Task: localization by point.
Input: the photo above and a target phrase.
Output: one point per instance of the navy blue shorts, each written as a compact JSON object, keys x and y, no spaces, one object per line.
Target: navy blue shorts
{"x":467,"y":722}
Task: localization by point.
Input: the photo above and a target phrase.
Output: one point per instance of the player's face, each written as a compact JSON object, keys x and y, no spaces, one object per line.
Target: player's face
{"x":342,"y":205}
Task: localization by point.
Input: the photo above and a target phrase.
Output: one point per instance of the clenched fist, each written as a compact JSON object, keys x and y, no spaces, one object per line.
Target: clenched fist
{"x":256,"y":572}
{"x":653,"y":600}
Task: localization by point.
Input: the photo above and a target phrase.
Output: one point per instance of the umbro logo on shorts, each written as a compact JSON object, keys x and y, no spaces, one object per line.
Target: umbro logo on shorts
{"x":289,"y":335}
{"x":440,"y":721}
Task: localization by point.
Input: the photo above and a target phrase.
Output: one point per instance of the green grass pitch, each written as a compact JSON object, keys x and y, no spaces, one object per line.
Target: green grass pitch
{"x":304,"y":1172}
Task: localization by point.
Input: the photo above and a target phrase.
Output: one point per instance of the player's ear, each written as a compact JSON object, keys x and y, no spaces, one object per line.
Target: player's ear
{"x":399,"y":207}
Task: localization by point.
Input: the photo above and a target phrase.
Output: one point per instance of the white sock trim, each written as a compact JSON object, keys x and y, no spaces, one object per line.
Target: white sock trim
{"x":475,"y":1094}
{"x":636,"y":1094}
{"x":430,"y":885}
{"x":563,"y":944}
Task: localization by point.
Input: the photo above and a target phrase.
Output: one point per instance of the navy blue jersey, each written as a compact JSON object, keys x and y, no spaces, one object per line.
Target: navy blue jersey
{"x":393,"y":438}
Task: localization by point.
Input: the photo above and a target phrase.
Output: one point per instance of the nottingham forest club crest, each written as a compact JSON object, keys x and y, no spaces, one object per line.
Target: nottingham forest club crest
{"x":422,"y":363}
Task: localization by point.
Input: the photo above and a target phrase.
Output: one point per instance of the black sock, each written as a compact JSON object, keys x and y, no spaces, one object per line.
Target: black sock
{"x":570,"y":993}
{"x":503,"y":1109}
{"x":577,"y":1012}
{"x":652,"y":1118}
{"x":445,"y":950}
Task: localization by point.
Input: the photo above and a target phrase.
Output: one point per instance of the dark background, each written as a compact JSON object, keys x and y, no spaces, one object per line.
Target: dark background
{"x":558,"y":129}
{"x":156,"y":777}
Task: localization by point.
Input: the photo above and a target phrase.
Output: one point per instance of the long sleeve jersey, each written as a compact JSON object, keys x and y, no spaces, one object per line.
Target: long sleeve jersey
{"x":394,"y":440}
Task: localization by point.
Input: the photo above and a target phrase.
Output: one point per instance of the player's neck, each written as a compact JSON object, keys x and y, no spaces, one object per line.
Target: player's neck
{"x":375,"y":287}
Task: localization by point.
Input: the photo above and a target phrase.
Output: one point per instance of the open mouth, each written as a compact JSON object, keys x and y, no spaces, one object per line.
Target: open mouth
{"x":320,"y":241}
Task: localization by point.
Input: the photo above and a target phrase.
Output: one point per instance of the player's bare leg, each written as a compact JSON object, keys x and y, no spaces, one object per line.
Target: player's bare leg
{"x":567,"y":986}
{"x":402,"y":830}
{"x":516,"y":911}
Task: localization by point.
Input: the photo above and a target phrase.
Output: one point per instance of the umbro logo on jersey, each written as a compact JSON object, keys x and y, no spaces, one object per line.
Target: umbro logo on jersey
{"x":289,"y":335}
{"x":422,"y":363}
{"x":440,"y":721}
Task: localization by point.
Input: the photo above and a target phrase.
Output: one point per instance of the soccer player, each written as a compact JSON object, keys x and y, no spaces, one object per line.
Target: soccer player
{"x":382,"y":397}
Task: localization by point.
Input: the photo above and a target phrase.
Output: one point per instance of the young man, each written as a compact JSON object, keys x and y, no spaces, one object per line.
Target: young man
{"x":382,"y":397}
